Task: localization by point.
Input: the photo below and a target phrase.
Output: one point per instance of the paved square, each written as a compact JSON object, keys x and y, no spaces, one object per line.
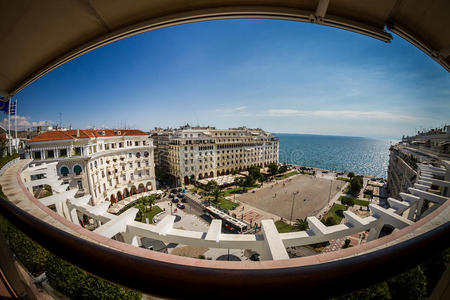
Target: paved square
{"x":276,"y":198}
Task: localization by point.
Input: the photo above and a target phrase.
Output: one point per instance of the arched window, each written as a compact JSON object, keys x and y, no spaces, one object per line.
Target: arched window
{"x":138,"y":154}
{"x":146,"y":154}
{"x":64,"y":171}
{"x":77,"y":169}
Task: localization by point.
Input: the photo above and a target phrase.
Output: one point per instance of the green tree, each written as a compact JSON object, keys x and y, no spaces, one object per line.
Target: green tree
{"x":330,"y":221}
{"x":356,"y":184}
{"x":351,"y":175}
{"x":249,"y":181}
{"x":283,"y":169}
{"x":240,"y":182}
{"x":213,"y":188}
{"x":350,"y":201}
{"x":273,"y":169}
{"x":255,"y":172}
{"x":301,"y":224}
{"x":151,"y":201}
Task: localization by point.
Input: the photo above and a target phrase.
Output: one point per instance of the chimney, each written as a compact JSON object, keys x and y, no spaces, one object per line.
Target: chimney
{"x":78,"y":133}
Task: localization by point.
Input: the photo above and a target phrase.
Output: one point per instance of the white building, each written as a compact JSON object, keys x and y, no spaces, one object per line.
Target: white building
{"x":107,"y":164}
{"x":193,"y":153}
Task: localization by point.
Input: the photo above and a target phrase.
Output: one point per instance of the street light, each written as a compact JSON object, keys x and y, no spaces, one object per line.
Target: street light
{"x":329,"y":195}
{"x":292,"y":208}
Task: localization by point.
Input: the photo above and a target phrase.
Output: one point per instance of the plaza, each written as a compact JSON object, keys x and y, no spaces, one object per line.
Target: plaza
{"x":309,"y":193}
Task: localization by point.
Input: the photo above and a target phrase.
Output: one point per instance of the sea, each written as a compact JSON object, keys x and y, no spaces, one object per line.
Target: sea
{"x":360,"y":155}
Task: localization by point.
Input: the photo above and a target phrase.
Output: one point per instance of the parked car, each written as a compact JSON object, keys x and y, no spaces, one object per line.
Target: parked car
{"x":184,"y":199}
{"x":173,"y":191}
{"x":324,"y":172}
{"x":175,"y":200}
{"x":180,"y":195}
{"x":180,"y":205}
{"x":171,"y":195}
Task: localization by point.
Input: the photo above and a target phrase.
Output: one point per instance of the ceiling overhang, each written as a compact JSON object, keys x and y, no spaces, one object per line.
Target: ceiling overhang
{"x":38,"y":36}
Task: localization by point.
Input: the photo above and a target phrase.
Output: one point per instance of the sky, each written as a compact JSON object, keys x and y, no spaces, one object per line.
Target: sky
{"x":282,"y":76}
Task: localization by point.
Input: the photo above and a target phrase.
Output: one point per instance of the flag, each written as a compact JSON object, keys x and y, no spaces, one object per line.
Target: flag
{"x":4,"y":105}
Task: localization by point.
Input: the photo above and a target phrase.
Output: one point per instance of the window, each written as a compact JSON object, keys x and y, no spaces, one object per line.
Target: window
{"x":95,"y":164}
{"x":140,"y":174}
{"x":63,"y":153}
{"x":136,"y":143}
{"x":50,"y":154}
{"x":139,"y":164}
{"x":146,"y":163}
{"x":80,"y":184}
{"x":131,"y":164}
{"x":146,"y":154}
{"x":77,"y":169}
{"x":64,"y":171}
{"x":131,"y":176}
{"x":120,"y":145}
{"x":130,"y":155}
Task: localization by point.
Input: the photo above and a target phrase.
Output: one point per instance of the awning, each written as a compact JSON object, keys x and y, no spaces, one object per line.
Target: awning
{"x":39,"y":36}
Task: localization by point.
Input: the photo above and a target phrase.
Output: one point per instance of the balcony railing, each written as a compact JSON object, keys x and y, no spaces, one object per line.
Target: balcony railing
{"x":154,"y":274}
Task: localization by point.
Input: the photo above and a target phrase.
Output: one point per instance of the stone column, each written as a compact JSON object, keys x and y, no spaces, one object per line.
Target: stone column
{"x":374,"y":232}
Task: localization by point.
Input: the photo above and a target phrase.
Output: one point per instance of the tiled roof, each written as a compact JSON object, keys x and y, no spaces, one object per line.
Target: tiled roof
{"x":83,"y":134}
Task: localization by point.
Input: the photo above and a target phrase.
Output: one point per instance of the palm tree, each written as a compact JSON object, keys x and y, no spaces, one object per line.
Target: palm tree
{"x":301,"y":224}
{"x":151,"y":200}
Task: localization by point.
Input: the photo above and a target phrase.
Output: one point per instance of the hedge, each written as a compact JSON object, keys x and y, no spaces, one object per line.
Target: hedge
{"x":64,"y":277}
{"x":77,"y":284}
{"x":7,"y":159}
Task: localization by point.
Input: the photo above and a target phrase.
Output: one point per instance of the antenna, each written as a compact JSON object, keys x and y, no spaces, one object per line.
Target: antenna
{"x":60,"y":120}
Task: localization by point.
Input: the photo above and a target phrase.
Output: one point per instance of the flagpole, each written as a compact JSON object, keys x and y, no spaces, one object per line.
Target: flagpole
{"x":15,"y":125}
{"x":9,"y":124}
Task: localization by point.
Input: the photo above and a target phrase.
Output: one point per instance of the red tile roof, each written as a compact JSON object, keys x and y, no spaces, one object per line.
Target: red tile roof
{"x":84,"y":134}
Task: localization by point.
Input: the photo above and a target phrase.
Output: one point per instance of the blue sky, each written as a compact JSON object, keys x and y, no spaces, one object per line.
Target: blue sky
{"x":281,"y":76}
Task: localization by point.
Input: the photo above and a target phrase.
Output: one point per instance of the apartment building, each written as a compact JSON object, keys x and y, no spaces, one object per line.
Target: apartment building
{"x":428,"y":147}
{"x":193,"y":153}
{"x":107,"y":164}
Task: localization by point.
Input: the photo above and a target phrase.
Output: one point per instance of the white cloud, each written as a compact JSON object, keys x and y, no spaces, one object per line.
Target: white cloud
{"x":341,"y":114}
{"x":23,"y":122}
{"x":230,"y":110}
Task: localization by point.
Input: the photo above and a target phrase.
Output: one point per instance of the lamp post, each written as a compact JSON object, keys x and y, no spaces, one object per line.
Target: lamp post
{"x":292,"y":208}
{"x":329,"y":195}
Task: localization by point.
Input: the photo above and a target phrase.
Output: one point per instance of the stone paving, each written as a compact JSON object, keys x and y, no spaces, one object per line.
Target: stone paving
{"x":312,"y":194}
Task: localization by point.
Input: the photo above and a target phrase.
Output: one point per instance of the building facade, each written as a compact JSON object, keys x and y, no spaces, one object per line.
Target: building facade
{"x":429,"y":148}
{"x":193,"y":153}
{"x":107,"y":164}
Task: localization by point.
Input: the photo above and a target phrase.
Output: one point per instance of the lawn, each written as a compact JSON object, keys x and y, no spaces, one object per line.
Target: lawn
{"x":362,"y":202}
{"x":292,"y":173}
{"x":284,"y":227}
{"x":227,"y":204}
{"x":150,"y":214}
{"x":237,"y":190}
{"x":332,"y":212}
{"x":343,"y":179}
